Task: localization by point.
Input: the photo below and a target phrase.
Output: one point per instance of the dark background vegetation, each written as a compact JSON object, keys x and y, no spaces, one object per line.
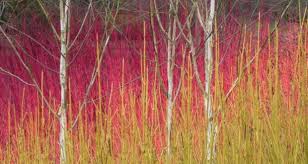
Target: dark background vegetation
{"x":10,"y":9}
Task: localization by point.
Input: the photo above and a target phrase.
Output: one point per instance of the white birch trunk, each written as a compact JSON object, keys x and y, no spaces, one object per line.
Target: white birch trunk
{"x":64,"y":21}
{"x":211,"y":129}
{"x":170,"y":67}
{"x":169,"y":102}
{"x":169,"y":91}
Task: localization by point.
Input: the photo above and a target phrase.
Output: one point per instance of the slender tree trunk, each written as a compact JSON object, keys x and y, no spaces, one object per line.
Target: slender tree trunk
{"x":169,"y":91}
{"x":211,"y":129}
{"x":171,"y":45}
{"x":64,"y":21}
{"x":169,"y":98}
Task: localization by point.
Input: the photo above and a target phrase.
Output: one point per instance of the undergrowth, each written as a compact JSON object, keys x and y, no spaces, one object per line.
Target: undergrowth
{"x":259,"y":122}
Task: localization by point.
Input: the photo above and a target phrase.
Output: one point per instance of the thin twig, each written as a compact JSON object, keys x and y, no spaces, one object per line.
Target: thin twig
{"x":28,"y":71}
{"x":16,"y":76}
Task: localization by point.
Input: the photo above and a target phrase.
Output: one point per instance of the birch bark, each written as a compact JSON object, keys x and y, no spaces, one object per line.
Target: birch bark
{"x":211,"y":129}
{"x":64,"y":25}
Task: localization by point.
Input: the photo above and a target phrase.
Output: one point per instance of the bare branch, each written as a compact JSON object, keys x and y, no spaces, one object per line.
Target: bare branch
{"x":155,"y":48}
{"x":31,"y":38}
{"x":237,"y":80}
{"x":82,"y":25}
{"x":16,"y":76}
{"x":49,"y":20}
{"x":28,"y":71}
{"x":94,"y":75}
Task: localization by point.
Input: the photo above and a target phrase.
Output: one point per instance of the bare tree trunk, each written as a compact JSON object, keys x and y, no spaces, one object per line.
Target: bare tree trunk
{"x":171,"y":37}
{"x":64,"y":21}
{"x":211,"y":129}
{"x":169,"y":98}
{"x":171,"y":45}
